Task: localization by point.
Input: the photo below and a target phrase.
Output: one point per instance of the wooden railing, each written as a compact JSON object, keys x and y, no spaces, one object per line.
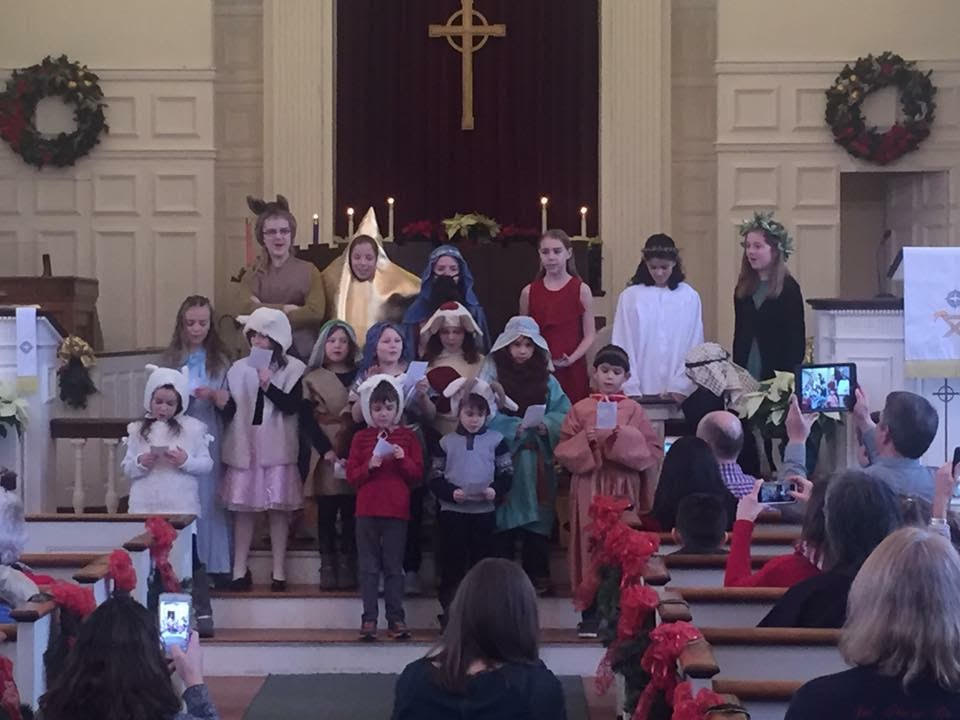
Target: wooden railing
{"x":78,"y":431}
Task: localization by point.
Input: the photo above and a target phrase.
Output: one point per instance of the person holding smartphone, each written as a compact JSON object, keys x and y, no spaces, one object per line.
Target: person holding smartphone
{"x":96,"y":682}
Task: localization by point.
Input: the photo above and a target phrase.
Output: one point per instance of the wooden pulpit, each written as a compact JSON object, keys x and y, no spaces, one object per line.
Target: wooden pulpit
{"x":72,"y":301}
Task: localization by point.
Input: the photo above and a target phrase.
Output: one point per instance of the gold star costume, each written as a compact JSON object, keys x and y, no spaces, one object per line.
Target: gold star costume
{"x":363,"y":303}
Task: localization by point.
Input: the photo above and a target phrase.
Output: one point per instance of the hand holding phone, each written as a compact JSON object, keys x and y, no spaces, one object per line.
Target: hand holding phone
{"x":175,"y":612}
{"x":776,"y":492}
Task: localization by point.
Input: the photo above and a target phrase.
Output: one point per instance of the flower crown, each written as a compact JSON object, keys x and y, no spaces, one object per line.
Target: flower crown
{"x":773,"y":230}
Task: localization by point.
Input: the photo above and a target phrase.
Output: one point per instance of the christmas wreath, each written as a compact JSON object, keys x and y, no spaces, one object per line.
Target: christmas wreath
{"x":77,"y":86}
{"x":868,"y":74}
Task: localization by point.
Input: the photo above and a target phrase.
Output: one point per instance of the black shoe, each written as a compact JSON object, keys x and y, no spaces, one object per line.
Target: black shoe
{"x":205,"y":626}
{"x":242,"y":584}
{"x":278,"y":585}
{"x":588,"y":629}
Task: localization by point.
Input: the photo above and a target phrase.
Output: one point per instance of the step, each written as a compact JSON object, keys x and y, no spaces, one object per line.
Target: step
{"x":307,"y":607}
{"x":303,"y":566}
{"x":288,"y":651}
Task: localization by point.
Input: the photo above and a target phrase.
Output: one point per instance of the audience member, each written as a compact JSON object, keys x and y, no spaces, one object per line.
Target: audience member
{"x":860,"y":513}
{"x":784,"y":570}
{"x":893,"y":446}
{"x":117,"y":671}
{"x":486,"y":665}
{"x":723,"y":432}
{"x":688,"y":467}
{"x":902,"y":637}
{"x":701,"y":525}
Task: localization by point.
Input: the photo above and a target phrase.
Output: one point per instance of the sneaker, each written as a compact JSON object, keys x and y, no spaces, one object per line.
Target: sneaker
{"x":368,"y":631}
{"x":588,"y":629}
{"x":411,"y":584}
{"x":543,"y":587}
{"x":398,"y":631}
{"x":328,"y":571}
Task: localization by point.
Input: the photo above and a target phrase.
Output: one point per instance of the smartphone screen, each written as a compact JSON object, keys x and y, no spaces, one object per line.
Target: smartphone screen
{"x":826,"y":388}
{"x":776,"y":493}
{"x":174,"y":614}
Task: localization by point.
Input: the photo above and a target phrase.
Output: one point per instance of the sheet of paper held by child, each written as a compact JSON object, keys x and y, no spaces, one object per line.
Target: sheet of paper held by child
{"x":606,"y":415}
{"x":383,"y":448}
{"x":416,"y":371}
{"x":259,"y":358}
{"x":533,"y":416}
{"x":475,"y":491}
{"x":158,"y":452}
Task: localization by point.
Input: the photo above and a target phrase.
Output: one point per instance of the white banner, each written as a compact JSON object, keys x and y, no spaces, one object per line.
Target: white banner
{"x":27,"y":350}
{"x":931,"y":311}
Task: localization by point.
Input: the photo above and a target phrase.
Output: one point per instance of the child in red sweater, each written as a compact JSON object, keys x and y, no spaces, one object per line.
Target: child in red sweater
{"x":784,"y":570}
{"x":385,"y":462}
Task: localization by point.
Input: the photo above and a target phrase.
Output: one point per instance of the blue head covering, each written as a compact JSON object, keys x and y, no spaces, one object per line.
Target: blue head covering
{"x":420,"y":310}
{"x":370,"y":345}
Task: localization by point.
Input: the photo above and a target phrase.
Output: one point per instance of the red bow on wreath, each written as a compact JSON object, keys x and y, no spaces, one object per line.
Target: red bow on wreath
{"x":122,"y":572}
{"x":688,"y":707}
{"x":163,"y":534}
{"x":9,"y":695}
{"x":660,"y":661}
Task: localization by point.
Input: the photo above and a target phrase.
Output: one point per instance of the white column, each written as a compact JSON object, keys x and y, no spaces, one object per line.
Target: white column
{"x":299,"y":38}
{"x":112,"y":500}
{"x":635,"y":162}
{"x":78,"y":490}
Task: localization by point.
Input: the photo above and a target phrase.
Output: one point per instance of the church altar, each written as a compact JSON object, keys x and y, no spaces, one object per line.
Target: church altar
{"x":870,"y":333}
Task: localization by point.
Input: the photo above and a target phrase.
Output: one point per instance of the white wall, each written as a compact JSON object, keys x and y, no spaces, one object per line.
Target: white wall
{"x":137,"y":213}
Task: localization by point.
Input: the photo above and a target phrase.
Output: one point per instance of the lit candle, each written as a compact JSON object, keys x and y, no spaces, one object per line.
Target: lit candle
{"x":543,"y":214}
{"x":390,"y":218}
{"x":316,"y":229}
{"x":583,"y":221}
{"x":349,"y":223}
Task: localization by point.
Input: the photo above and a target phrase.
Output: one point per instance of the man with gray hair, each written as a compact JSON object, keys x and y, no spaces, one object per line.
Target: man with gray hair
{"x":723,"y":432}
{"x":894,"y":446}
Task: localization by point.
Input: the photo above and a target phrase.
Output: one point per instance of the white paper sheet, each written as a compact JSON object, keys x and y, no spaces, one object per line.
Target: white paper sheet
{"x":383,"y":448}
{"x":416,"y":371}
{"x":533,"y":416}
{"x":340,"y":470}
{"x":606,"y":415}
{"x":259,"y":358}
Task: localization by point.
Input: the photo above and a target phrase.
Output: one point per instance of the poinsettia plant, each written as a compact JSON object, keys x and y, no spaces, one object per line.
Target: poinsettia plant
{"x":767,"y":407}
{"x":471,"y":223}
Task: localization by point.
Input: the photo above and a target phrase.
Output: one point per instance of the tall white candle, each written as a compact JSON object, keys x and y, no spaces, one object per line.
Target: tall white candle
{"x":390,"y":217}
{"x":543,"y":214}
{"x":583,"y":221}
{"x":349,"y":223}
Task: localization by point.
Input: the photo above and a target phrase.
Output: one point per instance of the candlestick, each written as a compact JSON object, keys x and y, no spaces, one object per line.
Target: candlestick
{"x":390,"y":217}
{"x":349,"y":223}
{"x":316,"y":229}
{"x":543,"y":214}
{"x":247,"y":243}
{"x":583,"y":222}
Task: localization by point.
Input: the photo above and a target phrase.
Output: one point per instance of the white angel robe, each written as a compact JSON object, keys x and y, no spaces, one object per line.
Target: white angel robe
{"x":657,"y":327}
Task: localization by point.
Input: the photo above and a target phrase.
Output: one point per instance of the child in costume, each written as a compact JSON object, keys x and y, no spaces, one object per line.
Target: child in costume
{"x":472,"y":470}
{"x":260,"y":443}
{"x":450,"y":338}
{"x":196,"y":344}
{"x":385,"y":462}
{"x":167,"y":450}
{"x":520,"y":361}
{"x":562,"y":305}
{"x":610,"y":461}
{"x":331,"y":371}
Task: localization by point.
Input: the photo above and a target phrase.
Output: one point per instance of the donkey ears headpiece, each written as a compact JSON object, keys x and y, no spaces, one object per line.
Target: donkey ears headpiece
{"x":259,"y":207}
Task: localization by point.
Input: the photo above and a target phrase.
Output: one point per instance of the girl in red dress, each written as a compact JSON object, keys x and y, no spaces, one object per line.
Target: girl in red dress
{"x":562,"y":305}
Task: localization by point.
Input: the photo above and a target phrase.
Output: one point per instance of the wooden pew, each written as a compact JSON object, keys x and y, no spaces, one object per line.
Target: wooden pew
{"x":32,"y":638}
{"x":765,"y":699}
{"x":767,"y":540}
{"x":724,"y":607}
{"x":703,"y":570}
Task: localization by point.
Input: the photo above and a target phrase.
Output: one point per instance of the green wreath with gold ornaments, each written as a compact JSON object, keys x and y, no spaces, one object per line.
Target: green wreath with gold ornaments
{"x":72,"y":82}
{"x":854,"y":84}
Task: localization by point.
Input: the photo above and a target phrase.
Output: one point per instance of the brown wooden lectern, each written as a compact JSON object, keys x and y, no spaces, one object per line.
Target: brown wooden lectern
{"x":71,"y":300}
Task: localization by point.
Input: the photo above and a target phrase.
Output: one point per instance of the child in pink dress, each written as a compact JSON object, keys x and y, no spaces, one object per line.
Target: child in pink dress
{"x":260,"y":442}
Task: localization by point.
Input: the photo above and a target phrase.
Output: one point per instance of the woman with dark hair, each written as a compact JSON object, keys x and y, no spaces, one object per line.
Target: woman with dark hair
{"x":860,"y":512}
{"x":769,"y":332}
{"x":658,"y":321}
{"x":689,"y":467}
{"x":487,"y":664}
{"x":117,"y":671}
{"x":783,"y":570}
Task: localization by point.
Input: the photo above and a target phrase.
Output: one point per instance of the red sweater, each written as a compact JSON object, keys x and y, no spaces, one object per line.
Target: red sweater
{"x":782,"y":571}
{"x":384,"y":491}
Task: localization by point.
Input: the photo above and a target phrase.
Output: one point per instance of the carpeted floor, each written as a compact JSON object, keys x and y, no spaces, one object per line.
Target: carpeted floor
{"x":352,"y":697}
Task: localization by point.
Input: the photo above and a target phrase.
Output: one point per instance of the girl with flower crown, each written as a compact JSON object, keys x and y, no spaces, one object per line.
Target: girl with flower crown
{"x":769,"y":332}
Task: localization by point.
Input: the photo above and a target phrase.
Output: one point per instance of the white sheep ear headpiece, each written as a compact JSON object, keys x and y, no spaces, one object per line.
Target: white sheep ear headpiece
{"x":365,"y":390}
{"x":492,"y":392}
{"x":159,"y":376}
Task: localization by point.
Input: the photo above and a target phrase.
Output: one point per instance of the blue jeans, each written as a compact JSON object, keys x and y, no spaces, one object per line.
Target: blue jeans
{"x":380,"y":546}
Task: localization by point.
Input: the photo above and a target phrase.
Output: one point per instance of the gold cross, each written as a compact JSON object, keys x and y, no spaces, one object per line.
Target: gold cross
{"x":466,"y":31}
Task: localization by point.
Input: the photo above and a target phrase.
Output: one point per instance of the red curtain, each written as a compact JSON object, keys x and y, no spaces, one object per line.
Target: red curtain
{"x":535,"y":107}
